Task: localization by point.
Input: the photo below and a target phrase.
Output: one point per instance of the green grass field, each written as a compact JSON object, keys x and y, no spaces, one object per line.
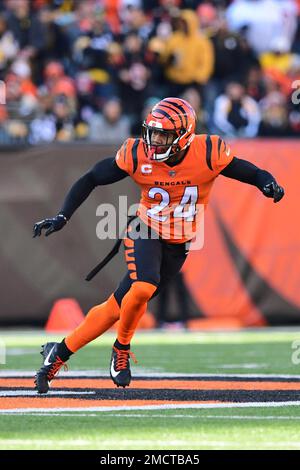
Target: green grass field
{"x":243,"y":427}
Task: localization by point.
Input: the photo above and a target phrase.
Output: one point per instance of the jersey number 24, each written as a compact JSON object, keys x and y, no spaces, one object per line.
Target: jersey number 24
{"x":190,"y":197}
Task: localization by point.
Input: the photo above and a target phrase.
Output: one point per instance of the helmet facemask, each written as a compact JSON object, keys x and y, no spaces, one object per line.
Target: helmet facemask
{"x":167,"y":145}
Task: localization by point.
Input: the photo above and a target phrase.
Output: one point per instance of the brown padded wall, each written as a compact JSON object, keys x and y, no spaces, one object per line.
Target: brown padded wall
{"x":35,"y":272}
{"x":248,"y":268}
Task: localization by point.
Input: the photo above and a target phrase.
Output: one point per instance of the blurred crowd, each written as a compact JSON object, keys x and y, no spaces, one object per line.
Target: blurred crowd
{"x":92,"y":69}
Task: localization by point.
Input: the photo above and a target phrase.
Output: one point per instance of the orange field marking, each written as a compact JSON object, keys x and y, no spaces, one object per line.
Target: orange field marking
{"x":158,"y":384}
{"x":20,"y":402}
{"x":84,"y":385}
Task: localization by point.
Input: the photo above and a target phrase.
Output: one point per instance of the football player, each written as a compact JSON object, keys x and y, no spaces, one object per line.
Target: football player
{"x":175,"y":170}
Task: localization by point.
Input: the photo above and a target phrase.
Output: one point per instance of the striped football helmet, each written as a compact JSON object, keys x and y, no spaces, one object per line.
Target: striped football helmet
{"x":168,"y":129}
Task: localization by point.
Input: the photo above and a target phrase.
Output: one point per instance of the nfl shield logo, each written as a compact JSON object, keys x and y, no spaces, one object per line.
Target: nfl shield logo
{"x":172,"y":173}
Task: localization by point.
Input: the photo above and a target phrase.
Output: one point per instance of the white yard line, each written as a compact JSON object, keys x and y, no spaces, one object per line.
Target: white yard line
{"x":155,"y":407}
{"x":243,"y":366}
{"x":19,"y":351}
{"x":33,"y":393}
{"x":158,"y":375}
{"x":136,"y":415}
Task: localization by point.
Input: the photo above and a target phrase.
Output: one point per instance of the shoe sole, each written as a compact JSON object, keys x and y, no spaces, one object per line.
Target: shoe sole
{"x":41,"y":390}
{"x":118,"y":384}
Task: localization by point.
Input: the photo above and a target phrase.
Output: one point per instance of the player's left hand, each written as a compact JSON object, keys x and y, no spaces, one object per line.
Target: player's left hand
{"x":50,"y":225}
{"x":273,"y":190}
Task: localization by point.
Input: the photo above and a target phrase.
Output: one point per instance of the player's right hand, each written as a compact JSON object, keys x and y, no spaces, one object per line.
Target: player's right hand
{"x":273,"y":190}
{"x":50,"y":225}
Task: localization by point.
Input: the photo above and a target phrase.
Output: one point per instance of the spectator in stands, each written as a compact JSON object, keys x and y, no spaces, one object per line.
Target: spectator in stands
{"x":236,"y":114}
{"x":26,"y":28}
{"x":21,"y":93}
{"x":64,"y":115}
{"x":134,"y":80}
{"x":134,"y":20}
{"x":275,"y":119}
{"x":148,"y":105}
{"x":255,"y":83}
{"x":193,"y":97}
{"x":56,"y":21}
{"x":294,"y":117}
{"x":282,"y":67}
{"x":278,"y":58}
{"x":56,"y":120}
{"x":43,"y":126}
{"x":296,"y":44}
{"x":155,"y":47}
{"x":208,"y":18}
{"x":263,"y":20}
{"x":188,"y":56}
{"x":53,"y":72}
{"x":5,"y":138}
{"x":233,"y":60}
{"x":228,"y":52}
{"x":86,"y":99}
{"x":109,"y":127}
{"x":17,"y":131}
{"x":8,"y":46}
{"x":91,"y":53}
{"x":84,"y":53}
{"x":29,"y":33}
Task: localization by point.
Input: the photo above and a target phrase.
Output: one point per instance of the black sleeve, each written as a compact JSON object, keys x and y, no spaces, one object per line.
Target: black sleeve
{"x":104,"y":172}
{"x":244,"y":171}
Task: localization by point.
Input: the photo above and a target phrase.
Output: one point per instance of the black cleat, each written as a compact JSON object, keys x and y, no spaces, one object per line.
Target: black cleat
{"x":52,"y":364}
{"x":120,"y":367}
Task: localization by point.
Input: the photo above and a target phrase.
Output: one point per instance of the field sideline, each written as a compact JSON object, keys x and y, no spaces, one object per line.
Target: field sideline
{"x":227,"y":390}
